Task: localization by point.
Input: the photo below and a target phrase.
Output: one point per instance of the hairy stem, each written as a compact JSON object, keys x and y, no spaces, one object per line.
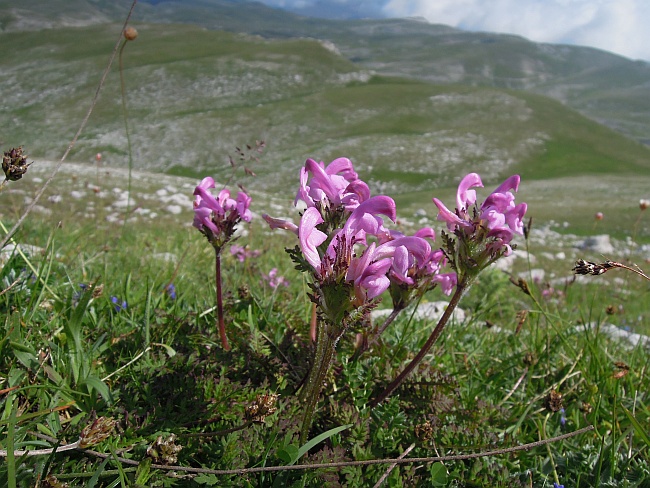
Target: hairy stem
{"x":222,"y":324}
{"x":325,"y":347}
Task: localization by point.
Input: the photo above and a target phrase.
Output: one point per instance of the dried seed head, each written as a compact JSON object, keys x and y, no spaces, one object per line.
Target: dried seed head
{"x":522,"y":284}
{"x":522,"y":315}
{"x":424,"y":432}
{"x":244,"y":292}
{"x":554,"y":401}
{"x":586,"y":407}
{"x":51,"y":481}
{"x":100,"y":429}
{"x":583,"y":267}
{"x":130,"y":33}
{"x":14,"y":164}
{"x":98,"y":290}
{"x":261,"y":407}
{"x":644,"y":204}
{"x":622,"y":369}
{"x":529,"y":359}
{"x":164,"y":451}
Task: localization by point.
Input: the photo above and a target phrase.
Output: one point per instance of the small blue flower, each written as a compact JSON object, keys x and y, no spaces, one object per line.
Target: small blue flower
{"x":556,"y":485}
{"x":76,"y":296}
{"x":562,"y":418}
{"x":171,"y":291}
{"x":118,"y":307}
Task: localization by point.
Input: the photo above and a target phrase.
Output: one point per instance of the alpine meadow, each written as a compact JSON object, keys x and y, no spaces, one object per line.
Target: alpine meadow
{"x":241,"y":247}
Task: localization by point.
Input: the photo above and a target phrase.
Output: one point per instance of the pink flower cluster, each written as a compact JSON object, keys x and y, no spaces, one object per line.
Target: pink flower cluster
{"x":334,"y":229}
{"x":273,"y":280}
{"x":498,"y":214}
{"x":216,"y":217}
{"x":332,"y":185}
{"x":242,"y":253}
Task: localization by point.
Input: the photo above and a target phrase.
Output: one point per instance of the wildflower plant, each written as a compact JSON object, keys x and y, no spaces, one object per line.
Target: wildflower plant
{"x":352,"y":258}
{"x":477,"y":236}
{"x":217,"y":219}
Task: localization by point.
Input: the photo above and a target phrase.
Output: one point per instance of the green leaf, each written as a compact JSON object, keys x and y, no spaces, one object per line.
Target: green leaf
{"x":143,"y":472}
{"x":171,"y":352}
{"x":93,"y":480}
{"x":438,"y":474}
{"x":289,"y":454}
{"x":99,"y":385}
{"x":206,"y":479}
{"x":25,"y":355}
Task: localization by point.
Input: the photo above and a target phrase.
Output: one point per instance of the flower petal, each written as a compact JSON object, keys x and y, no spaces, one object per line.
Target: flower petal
{"x":446,"y":215}
{"x":280,"y":224}
{"x":511,"y":183}
{"x":310,"y":237}
{"x":466,"y":197}
{"x":446,"y":281}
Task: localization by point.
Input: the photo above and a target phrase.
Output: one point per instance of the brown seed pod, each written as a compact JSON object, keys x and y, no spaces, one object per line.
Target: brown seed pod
{"x":130,"y":33}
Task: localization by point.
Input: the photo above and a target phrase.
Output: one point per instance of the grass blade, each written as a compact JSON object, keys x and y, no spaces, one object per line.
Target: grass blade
{"x":638,"y":428}
{"x":318,"y":439}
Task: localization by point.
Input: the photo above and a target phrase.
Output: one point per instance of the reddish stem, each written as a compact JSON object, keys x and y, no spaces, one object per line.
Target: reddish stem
{"x":425,"y":349}
{"x":222,"y":324}
{"x":314,"y":323}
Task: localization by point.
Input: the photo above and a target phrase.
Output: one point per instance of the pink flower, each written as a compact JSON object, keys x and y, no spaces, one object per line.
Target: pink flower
{"x":331,"y":185}
{"x":280,"y":224}
{"x":416,"y":266}
{"x":242,"y":253}
{"x":447,"y":282}
{"x":365,"y":219}
{"x":365,"y":268}
{"x":408,"y":252}
{"x":501,"y":213}
{"x":368,"y":273}
{"x":273,"y":280}
{"x":498,"y":213}
{"x":216,"y":217}
{"x":243,"y":204}
{"x":464,"y":199}
{"x":310,"y":237}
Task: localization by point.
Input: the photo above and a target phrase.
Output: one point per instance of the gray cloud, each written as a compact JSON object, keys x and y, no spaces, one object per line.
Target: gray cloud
{"x":619,"y":26}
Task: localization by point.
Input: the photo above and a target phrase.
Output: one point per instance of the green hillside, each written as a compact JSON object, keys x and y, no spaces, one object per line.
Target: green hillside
{"x":195,"y":94}
{"x":605,"y":87}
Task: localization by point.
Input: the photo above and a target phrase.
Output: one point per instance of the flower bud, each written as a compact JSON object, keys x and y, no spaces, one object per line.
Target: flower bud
{"x":599,"y":216}
{"x":130,"y":33}
{"x":643,"y":204}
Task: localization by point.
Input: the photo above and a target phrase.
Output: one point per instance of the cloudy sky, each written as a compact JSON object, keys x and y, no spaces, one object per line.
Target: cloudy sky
{"x":620,"y":26}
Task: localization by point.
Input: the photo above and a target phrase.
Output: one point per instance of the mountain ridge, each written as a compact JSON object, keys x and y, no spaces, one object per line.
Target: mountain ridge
{"x":606,"y":87}
{"x":193,"y":94}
